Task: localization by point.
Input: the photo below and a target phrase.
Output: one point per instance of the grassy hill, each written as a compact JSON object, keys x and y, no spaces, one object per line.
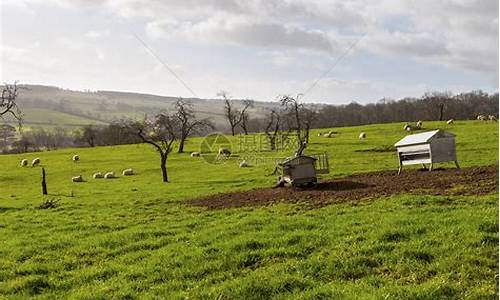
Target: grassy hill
{"x":136,"y":237}
{"x":52,"y":106}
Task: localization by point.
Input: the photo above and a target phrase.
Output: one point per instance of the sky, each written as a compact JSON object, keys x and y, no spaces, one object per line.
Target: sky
{"x":334,"y":51}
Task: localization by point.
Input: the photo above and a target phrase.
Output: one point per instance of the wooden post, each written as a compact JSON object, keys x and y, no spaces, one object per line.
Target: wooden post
{"x":44,"y":183}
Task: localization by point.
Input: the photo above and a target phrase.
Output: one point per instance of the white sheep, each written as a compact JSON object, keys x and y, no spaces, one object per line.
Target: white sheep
{"x":243,"y":164}
{"x":362,"y":136}
{"x":195,"y":154}
{"x":109,"y":175}
{"x":98,"y":175}
{"x":35,"y":162}
{"x":76,"y":158}
{"x":78,"y":178}
{"x":329,"y":134}
{"x":419,"y":124}
{"x":128,"y":172}
{"x":450,"y":121}
{"x":224,"y":152}
{"x":24,"y":162}
{"x":481,"y":118}
{"x":492,"y":118}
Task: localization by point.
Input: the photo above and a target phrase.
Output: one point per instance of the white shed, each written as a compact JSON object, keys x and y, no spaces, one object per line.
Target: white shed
{"x":426,"y":148}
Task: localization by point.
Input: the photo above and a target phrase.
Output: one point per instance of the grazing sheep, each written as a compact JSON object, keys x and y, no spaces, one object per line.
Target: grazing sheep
{"x":362,"y":136}
{"x":109,"y":175}
{"x":450,"y":121}
{"x":481,"y":118}
{"x":224,"y":152}
{"x":195,"y":154}
{"x":243,"y":164}
{"x":98,"y":175}
{"x":76,"y":158}
{"x":128,"y":172}
{"x":78,"y":178}
{"x":35,"y":162}
{"x":330,"y":134}
{"x":24,"y":162}
{"x":492,"y":118}
{"x":411,"y":127}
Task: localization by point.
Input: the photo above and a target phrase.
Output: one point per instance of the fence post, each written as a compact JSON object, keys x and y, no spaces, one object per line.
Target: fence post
{"x":44,"y":183}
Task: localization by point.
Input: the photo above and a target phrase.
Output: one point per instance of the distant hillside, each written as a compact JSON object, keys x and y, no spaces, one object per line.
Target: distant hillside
{"x":52,"y":106}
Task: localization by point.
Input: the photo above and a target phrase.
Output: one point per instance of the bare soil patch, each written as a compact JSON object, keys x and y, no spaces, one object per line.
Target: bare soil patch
{"x":468,"y":181}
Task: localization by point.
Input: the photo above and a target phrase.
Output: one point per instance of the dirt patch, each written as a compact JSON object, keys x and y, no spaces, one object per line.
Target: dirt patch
{"x":468,"y":181}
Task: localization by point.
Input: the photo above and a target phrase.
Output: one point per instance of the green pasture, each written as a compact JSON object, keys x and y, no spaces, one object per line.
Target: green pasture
{"x":135,"y":237}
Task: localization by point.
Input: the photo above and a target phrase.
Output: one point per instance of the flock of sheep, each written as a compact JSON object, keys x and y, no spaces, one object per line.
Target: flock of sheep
{"x":109,"y":175}
{"x":486,"y":118}
{"x":223,"y":153}
{"x":408,"y":126}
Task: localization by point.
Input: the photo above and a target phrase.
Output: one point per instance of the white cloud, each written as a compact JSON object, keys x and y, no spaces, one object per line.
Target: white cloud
{"x":243,"y":31}
{"x":95,"y":34}
{"x":287,"y":36}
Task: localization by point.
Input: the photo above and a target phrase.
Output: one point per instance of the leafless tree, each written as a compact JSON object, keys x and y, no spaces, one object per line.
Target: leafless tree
{"x":293,"y":110}
{"x":7,"y":134}
{"x":8,"y":102}
{"x":88,"y":135}
{"x":436,"y":102}
{"x":309,"y":117}
{"x":273,"y":127}
{"x":231,"y":113}
{"x":188,"y":122}
{"x":161,"y":133}
{"x":244,"y":117}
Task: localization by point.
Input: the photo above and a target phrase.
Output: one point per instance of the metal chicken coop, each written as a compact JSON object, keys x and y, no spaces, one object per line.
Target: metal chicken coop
{"x":426,"y":148}
{"x":302,"y":170}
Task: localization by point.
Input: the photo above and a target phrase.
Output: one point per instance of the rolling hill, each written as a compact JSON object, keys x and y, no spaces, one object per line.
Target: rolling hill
{"x":52,"y":106}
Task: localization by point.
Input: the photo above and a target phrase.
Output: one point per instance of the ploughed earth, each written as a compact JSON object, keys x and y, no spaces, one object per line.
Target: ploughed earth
{"x":468,"y":181}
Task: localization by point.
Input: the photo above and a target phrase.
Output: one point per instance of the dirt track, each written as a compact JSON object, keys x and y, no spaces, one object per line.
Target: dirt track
{"x":468,"y":181}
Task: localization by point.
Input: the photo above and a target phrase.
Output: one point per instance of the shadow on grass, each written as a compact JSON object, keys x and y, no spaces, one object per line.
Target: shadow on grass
{"x":7,"y":209}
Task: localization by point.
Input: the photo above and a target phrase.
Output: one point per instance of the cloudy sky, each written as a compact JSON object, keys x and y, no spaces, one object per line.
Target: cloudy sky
{"x":253,"y":48}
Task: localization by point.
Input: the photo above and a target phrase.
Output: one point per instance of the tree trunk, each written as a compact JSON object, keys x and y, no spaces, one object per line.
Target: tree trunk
{"x":441,"y":111}
{"x":164,"y":167}
{"x":232,"y":129}
{"x":181,"y":146}
{"x":272,"y":141}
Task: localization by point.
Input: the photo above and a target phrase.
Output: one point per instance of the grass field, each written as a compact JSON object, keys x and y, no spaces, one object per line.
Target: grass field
{"x":134,"y":237}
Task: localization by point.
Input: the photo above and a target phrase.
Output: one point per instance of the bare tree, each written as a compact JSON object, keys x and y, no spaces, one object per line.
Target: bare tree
{"x":161,"y":133}
{"x":8,"y":102}
{"x":88,"y":135}
{"x":309,"y":117}
{"x":273,"y":127}
{"x":293,"y":110}
{"x":188,"y":122}
{"x":232,"y":114}
{"x":244,"y":117}
{"x":436,"y":102}
{"x":7,"y":134}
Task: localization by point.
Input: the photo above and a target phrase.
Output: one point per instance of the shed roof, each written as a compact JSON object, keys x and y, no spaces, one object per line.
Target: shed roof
{"x":301,"y":157}
{"x":421,"y":138}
